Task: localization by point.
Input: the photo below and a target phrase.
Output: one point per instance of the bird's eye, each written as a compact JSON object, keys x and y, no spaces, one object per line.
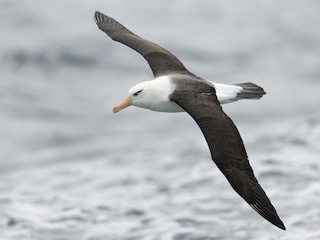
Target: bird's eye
{"x":137,"y":93}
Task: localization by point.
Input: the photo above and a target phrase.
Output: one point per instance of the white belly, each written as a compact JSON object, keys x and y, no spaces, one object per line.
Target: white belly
{"x":167,"y":106}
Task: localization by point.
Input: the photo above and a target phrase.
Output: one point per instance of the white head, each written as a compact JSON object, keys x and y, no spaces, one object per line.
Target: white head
{"x":153,"y":95}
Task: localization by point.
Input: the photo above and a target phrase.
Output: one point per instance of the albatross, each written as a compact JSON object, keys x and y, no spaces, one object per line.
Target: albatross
{"x":175,"y":89}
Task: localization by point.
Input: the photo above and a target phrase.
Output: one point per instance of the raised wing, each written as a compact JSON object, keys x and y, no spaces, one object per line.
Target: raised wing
{"x":227,"y":149}
{"x":161,"y":61}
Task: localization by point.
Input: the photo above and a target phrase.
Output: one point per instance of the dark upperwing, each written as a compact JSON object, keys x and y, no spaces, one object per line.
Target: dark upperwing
{"x":161,"y":61}
{"x":225,"y":144}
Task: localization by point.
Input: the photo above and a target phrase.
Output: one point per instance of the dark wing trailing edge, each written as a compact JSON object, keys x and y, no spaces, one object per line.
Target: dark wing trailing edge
{"x":227,"y":149}
{"x":161,"y":61}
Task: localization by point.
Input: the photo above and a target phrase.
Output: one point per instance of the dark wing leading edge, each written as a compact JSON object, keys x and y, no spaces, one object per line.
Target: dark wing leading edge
{"x":161,"y":61}
{"x":227,"y":149}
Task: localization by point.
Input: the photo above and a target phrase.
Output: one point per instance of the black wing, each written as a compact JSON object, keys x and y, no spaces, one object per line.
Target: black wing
{"x":161,"y":61}
{"x":227,"y":149}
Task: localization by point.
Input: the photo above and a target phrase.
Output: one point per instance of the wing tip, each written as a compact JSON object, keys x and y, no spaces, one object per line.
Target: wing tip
{"x":99,"y":17}
{"x":269,"y":214}
{"x":106,"y":23}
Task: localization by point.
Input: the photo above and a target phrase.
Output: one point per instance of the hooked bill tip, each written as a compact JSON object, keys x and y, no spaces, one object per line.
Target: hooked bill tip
{"x":115,"y":109}
{"x":125,"y":103}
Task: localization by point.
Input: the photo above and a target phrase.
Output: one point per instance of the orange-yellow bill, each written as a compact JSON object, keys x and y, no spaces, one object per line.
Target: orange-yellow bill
{"x":125,"y":103}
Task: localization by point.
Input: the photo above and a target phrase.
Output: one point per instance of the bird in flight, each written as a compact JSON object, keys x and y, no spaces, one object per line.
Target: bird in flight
{"x":175,"y":89}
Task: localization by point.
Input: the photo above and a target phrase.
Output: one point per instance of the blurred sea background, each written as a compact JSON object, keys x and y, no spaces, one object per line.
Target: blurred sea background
{"x":73,"y":170}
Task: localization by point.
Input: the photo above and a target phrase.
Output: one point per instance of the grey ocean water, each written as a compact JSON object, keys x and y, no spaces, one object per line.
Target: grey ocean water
{"x":71,"y":169}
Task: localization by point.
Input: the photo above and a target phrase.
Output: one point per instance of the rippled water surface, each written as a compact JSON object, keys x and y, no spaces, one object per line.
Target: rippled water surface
{"x":71,"y":169}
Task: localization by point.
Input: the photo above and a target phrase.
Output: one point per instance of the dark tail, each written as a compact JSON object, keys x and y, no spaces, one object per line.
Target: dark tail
{"x":250,"y":91}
